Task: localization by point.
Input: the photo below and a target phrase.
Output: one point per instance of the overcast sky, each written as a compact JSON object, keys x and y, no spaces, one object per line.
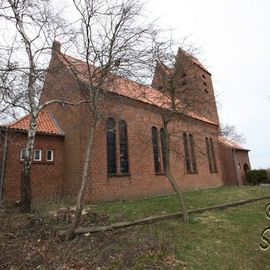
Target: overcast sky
{"x":234,"y":40}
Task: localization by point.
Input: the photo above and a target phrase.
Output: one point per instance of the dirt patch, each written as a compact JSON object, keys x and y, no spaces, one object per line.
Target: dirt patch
{"x":30,"y":241}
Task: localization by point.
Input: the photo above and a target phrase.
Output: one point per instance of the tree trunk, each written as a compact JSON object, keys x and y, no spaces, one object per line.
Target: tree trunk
{"x":84,"y":182}
{"x":26,"y":193}
{"x":170,"y":177}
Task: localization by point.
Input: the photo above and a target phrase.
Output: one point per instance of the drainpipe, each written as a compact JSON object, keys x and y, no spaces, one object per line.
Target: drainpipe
{"x":3,"y":166}
{"x":236,"y":167}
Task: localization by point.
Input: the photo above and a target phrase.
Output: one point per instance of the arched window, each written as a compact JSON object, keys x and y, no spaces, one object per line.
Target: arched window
{"x":186,"y":151}
{"x":192,"y":152}
{"x":111,"y":146}
{"x":163,"y":148}
{"x":155,"y":149}
{"x":190,"y":159}
{"x":123,"y":140}
{"x":211,"y":155}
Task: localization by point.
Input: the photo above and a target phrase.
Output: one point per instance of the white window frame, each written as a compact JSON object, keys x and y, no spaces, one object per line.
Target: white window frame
{"x":52,"y":155}
{"x":21,"y":154}
{"x":35,"y":155}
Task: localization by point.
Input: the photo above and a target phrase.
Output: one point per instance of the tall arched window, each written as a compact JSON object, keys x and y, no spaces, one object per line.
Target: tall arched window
{"x":192,"y":153}
{"x":211,"y":155}
{"x":111,"y":146}
{"x":155,"y":149}
{"x":190,"y":159}
{"x":123,"y":140}
{"x":163,"y":147}
{"x":186,"y":151}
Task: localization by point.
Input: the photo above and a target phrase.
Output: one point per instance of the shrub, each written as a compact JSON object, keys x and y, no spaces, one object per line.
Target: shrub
{"x":256,"y":177}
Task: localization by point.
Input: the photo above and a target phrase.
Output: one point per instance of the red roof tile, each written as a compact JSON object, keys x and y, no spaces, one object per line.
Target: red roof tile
{"x":46,"y":124}
{"x":230,"y":144}
{"x":128,"y":88}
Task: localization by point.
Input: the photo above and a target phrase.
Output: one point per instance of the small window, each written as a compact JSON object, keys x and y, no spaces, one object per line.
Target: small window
{"x":206,"y":91}
{"x":204,"y":83}
{"x":203,"y":76}
{"x":23,"y":154}
{"x":49,"y":156}
{"x":37,"y":155}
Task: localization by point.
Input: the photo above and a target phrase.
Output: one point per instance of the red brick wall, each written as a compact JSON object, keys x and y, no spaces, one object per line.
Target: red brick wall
{"x":193,"y":85}
{"x":61,"y":84}
{"x":46,"y":177}
{"x":65,"y":174}
{"x":139,"y":117}
{"x":242,"y":159}
{"x":142,"y":180}
{"x":227,"y":165}
{"x":229,"y":168}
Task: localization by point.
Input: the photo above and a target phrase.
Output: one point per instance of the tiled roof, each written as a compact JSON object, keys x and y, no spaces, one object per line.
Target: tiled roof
{"x":46,"y":124}
{"x":128,"y":88}
{"x":231,"y":144}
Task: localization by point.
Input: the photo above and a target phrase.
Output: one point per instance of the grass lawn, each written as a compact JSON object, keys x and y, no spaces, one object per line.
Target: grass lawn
{"x":130,"y":210}
{"x":227,"y":239}
{"x":221,"y":239}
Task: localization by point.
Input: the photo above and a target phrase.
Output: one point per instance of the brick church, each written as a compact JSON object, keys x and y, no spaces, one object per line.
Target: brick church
{"x":127,"y":159}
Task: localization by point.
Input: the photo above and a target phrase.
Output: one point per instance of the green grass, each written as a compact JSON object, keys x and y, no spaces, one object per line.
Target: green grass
{"x":130,"y":210}
{"x":220,"y":239}
{"x":226,"y":239}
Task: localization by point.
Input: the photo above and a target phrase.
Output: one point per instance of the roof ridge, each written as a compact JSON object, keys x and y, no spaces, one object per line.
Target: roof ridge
{"x":149,"y":97}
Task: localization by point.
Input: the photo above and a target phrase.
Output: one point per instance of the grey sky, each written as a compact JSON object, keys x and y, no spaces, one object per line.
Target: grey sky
{"x":234,"y":40}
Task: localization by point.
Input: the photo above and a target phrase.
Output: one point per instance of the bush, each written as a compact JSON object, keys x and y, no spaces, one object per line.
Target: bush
{"x":256,"y":177}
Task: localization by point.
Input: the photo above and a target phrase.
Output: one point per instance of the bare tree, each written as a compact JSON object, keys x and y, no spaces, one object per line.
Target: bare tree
{"x":113,"y":43}
{"x":31,"y":26}
{"x":183,"y":99}
{"x":230,"y":133}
